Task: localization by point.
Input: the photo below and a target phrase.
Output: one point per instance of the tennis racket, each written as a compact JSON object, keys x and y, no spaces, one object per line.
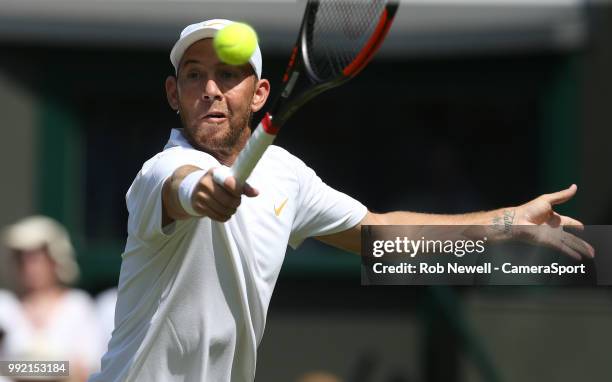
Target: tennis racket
{"x":336,"y":41}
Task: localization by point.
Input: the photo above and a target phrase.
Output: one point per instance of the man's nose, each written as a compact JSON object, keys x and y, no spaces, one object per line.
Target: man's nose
{"x":212,"y":91}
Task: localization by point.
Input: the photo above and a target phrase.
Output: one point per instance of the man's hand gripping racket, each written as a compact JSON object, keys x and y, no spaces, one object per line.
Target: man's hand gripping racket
{"x":336,"y":41}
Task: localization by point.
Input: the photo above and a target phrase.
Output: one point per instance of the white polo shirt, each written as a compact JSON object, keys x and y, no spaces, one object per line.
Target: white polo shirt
{"x":193,"y":296}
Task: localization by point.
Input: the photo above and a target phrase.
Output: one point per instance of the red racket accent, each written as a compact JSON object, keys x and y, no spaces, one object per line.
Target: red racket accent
{"x":291,"y":63}
{"x":268,"y":126}
{"x":371,"y":46}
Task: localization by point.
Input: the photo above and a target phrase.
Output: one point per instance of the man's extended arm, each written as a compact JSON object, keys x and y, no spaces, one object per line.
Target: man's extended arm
{"x":539,"y":211}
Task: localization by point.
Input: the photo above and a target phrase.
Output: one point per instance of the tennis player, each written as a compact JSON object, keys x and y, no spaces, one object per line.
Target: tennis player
{"x":202,"y":259}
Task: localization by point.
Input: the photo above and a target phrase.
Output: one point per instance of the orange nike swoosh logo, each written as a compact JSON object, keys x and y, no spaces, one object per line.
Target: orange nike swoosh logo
{"x":278,"y":210}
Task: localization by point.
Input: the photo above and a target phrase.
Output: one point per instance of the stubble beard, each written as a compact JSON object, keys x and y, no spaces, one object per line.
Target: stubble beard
{"x":223,"y":146}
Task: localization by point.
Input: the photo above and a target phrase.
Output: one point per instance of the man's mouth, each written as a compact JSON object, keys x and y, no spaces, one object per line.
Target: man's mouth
{"x":215,"y":117}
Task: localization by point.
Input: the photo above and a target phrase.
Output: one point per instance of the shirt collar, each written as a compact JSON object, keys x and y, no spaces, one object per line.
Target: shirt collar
{"x":177,"y":139}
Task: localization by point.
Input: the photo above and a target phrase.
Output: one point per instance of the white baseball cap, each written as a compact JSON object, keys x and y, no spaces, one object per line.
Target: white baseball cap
{"x":207,"y":29}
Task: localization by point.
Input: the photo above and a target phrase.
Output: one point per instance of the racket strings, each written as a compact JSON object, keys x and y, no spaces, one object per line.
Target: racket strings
{"x":339,"y":32}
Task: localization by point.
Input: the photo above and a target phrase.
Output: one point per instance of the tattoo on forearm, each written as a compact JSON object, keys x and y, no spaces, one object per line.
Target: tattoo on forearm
{"x":504,"y":223}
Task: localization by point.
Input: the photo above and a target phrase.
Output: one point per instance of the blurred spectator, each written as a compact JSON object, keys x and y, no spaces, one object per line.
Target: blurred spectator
{"x":11,"y":322}
{"x":105,"y":307}
{"x":53,"y":321}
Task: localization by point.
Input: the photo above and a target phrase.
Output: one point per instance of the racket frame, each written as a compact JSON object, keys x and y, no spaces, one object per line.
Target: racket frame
{"x":298,"y":74}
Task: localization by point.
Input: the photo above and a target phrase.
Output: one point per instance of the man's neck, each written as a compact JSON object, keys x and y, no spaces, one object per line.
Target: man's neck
{"x":228,"y":157}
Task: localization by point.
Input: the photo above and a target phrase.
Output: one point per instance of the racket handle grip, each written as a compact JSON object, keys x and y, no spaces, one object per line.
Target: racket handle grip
{"x":252,"y":153}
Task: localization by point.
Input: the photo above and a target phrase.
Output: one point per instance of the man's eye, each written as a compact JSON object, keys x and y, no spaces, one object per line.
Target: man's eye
{"x":193,"y":75}
{"x":227,"y":75}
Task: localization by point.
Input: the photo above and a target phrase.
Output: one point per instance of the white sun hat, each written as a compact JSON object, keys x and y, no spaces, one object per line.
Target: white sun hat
{"x":40,"y":231}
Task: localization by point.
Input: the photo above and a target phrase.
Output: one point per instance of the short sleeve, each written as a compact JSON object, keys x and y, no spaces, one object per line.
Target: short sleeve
{"x":321,"y":210}
{"x":143,"y":199}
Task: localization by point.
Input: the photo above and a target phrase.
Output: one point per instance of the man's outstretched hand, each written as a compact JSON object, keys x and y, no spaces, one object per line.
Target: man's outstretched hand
{"x":540,"y":212}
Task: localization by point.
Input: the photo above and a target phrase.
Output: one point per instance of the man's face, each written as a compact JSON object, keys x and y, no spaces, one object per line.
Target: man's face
{"x":215,"y":100}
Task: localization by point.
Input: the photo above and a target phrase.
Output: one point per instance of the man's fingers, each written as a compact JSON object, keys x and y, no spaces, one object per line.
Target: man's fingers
{"x":222,"y":176}
{"x":561,"y":196}
{"x":232,"y":186}
{"x":246,"y":189}
{"x":205,"y":205}
{"x":560,"y":240}
{"x":578,"y":244}
{"x":225,"y":197}
{"x":216,"y":201}
{"x":225,"y":209}
{"x":223,"y":194}
{"x":567,"y":221}
{"x":569,"y":251}
{"x":219,"y":200}
{"x":557,"y":243}
{"x":570,"y":245}
{"x":206,"y":210}
{"x":250,"y":191}
{"x":555,"y":220}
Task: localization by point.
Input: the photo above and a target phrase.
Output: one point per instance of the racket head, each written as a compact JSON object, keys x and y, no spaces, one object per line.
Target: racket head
{"x":339,"y":37}
{"x":337,"y":40}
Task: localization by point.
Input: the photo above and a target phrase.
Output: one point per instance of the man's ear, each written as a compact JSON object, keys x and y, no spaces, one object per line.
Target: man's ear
{"x":172,"y":92}
{"x":262,"y":91}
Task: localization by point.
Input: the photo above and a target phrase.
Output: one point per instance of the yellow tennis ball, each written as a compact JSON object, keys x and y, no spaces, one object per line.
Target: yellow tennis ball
{"x":235,"y":43}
